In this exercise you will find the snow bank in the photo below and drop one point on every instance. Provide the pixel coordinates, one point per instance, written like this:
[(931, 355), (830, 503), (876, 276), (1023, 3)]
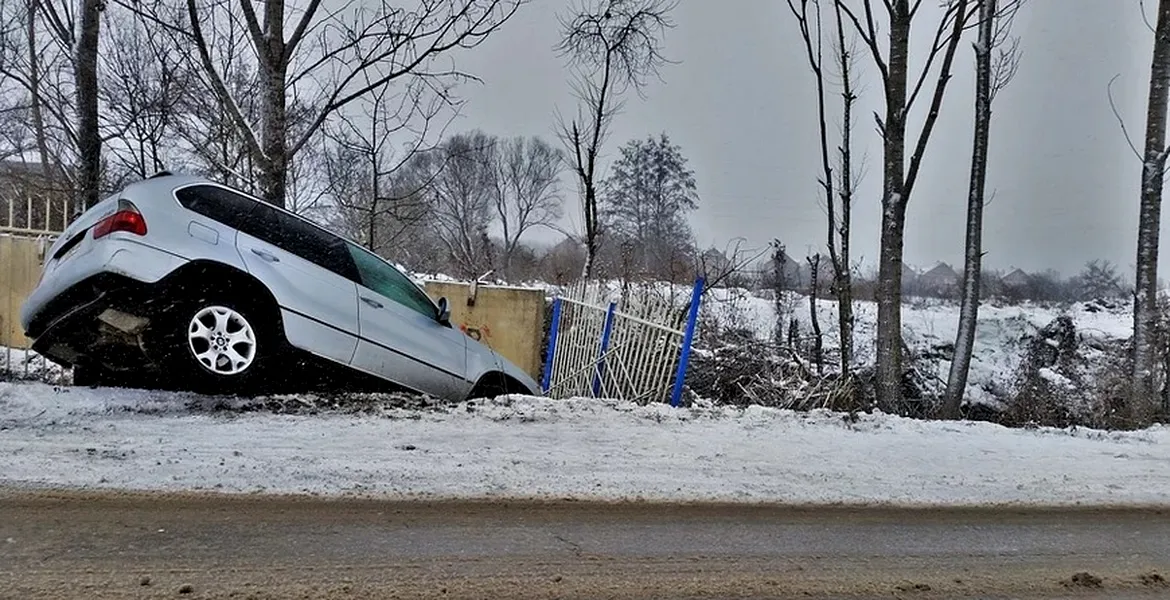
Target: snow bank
[(586, 449)]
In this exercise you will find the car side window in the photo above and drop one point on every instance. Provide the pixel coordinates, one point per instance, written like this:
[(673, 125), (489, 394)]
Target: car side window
[(300, 238), (384, 279), (215, 203)]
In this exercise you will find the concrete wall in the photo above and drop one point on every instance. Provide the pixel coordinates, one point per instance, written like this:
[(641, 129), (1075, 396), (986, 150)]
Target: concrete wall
[(509, 320), (20, 268)]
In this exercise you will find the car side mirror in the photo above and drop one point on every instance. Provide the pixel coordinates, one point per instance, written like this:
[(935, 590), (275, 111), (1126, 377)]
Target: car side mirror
[(444, 315)]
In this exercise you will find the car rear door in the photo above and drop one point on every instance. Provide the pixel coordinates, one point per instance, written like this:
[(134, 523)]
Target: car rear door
[(310, 273), (401, 337)]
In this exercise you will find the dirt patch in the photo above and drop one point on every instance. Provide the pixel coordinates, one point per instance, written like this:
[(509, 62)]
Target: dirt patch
[(1153, 579), (1084, 579)]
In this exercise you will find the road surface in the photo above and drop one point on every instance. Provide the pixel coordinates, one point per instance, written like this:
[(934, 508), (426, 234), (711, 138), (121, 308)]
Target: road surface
[(103, 545)]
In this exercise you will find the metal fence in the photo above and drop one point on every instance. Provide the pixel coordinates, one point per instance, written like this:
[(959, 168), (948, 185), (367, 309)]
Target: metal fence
[(630, 344)]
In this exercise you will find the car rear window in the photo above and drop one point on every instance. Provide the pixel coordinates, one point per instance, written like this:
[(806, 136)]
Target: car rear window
[(215, 203)]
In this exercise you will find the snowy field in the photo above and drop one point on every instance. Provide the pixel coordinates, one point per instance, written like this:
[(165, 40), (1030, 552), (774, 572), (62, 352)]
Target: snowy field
[(583, 449)]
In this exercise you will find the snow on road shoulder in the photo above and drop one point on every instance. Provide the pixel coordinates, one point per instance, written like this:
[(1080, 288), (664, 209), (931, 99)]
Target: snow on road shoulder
[(585, 449)]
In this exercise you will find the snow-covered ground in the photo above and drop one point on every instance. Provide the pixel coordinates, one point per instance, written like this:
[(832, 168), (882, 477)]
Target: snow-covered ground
[(585, 449)]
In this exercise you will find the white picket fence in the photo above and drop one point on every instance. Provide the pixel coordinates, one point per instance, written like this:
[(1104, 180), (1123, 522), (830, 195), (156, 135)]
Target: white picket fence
[(618, 343)]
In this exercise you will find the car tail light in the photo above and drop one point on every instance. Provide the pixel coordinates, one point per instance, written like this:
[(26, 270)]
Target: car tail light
[(127, 218)]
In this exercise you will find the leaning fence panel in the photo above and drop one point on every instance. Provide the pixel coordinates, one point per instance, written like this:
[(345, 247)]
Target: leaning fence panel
[(629, 343)]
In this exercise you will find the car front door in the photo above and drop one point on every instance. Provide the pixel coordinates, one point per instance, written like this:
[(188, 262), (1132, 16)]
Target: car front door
[(310, 273), (401, 337)]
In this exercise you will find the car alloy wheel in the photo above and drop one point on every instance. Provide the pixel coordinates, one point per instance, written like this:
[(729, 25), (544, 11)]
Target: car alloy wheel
[(222, 340)]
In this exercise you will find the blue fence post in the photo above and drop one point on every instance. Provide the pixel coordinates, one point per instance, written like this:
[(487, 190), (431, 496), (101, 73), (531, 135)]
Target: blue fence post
[(688, 337), (606, 330), (551, 352)]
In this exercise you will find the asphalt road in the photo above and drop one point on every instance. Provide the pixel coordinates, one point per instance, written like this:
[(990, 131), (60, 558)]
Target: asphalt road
[(91, 545)]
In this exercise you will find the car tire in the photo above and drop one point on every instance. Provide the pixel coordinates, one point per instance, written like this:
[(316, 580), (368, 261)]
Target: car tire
[(218, 344)]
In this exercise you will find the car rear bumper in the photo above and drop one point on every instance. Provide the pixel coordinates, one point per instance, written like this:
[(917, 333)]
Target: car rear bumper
[(99, 316), (127, 260)]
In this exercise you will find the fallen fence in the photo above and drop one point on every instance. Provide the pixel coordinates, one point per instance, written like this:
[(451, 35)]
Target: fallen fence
[(629, 344)]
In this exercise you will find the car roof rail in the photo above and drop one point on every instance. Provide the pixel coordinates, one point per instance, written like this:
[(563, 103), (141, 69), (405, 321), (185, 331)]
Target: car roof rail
[(163, 173)]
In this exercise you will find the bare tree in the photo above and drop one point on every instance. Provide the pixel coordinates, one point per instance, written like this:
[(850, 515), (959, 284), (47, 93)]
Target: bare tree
[(527, 193), (898, 174), (460, 198), (38, 68), (809, 18), (991, 76), (331, 57), (365, 166), (204, 121), (142, 85), (611, 46), (1143, 393)]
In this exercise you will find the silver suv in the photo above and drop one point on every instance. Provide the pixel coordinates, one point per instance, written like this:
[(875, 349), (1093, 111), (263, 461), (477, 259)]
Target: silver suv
[(211, 289)]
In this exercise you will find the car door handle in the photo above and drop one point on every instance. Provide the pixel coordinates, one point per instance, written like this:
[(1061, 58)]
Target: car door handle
[(268, 256), (372, 302)]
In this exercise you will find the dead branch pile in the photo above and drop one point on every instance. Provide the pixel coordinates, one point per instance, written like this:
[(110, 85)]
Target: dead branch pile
[(736, 369)]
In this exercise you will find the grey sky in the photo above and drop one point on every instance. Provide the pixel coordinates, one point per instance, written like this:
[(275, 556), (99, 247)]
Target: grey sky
[(740, 103)]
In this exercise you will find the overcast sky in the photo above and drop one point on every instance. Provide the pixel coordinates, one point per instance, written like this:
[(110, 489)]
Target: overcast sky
[(740, 103)]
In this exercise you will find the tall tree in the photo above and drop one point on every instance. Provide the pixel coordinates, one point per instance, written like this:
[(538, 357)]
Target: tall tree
[(898, 174), (611, 46), (89, 141), (991, 76), (330, 58), (1143, 393), (645, 203), (838, 188)]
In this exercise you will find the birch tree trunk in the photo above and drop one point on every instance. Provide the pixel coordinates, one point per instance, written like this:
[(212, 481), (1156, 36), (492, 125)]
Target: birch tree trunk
[(973, 265), (1143, 395), (89, 143)]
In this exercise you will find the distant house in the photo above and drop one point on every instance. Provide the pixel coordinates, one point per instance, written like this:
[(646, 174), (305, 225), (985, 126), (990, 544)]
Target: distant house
[(714, 264), (942, 279), (824, 273), (31, 201), (910, 275), (565, 261), (1016, 279)]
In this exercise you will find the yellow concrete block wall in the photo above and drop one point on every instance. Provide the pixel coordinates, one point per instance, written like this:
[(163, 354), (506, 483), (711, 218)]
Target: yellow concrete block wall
[(20, 267), (509, 320)]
